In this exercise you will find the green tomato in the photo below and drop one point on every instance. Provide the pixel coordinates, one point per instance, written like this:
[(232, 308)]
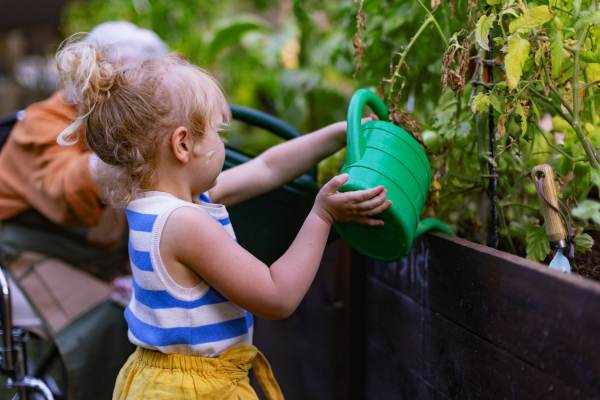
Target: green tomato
[(433, 141)]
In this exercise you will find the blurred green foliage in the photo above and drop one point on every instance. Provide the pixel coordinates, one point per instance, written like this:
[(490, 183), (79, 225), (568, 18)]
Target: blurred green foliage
[(295, 59), (299, 69)]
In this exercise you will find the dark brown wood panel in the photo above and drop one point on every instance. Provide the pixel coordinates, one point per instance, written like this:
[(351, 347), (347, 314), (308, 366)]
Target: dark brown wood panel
[(415, 353), (349, 323), (299, 348), (549, 320)]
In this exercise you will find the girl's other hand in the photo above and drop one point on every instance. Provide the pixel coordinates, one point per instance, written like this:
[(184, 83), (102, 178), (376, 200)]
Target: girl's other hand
[(332, 206), (373, 117)]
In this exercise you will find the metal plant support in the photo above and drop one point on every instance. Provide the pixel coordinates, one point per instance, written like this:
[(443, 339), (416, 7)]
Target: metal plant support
[(493, 176)]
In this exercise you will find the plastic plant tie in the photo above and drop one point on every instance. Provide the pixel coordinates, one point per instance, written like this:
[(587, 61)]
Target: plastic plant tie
[(570, 235)]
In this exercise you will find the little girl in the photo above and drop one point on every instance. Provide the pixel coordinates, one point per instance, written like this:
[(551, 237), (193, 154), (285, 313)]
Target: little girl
[(155, 127)]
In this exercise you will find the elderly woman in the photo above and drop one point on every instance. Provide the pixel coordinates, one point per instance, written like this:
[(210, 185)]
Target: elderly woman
[(53, 219), (52, 189)]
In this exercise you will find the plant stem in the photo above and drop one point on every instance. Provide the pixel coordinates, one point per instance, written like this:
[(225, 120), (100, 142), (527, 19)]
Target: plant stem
[(587, 146), (592, 103), (461, 191), (587, 85), (563, 10), (558, 149), (435, 22), (509, 243), (458, 107), (462, 177), (514, 204), (403, 56), (553, 104), (360, 7), (565, 46), (550, 84)]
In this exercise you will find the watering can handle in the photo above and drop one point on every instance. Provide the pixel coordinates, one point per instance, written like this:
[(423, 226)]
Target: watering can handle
[(361, 98)]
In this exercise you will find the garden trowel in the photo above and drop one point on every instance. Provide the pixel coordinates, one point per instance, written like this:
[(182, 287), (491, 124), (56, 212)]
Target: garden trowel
[(543, 176)]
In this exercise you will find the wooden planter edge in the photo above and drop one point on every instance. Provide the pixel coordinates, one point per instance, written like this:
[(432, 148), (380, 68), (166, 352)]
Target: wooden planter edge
[(469, 320), (573, 279)]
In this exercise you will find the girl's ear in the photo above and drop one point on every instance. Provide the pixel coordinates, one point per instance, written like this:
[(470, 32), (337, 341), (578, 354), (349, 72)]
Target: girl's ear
[(182, 144)]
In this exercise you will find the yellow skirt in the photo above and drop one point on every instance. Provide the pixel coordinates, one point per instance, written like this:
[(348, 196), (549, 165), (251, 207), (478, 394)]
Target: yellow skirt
[(150, 374)]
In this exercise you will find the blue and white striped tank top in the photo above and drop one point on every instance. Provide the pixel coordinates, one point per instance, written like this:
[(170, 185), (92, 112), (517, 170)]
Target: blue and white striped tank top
[(163, 315)]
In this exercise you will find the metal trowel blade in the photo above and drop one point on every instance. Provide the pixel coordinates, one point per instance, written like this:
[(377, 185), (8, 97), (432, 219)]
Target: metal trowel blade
[(560, 262)]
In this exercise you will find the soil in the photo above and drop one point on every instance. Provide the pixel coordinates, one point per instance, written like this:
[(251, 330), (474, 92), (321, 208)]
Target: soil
[(588, 264)]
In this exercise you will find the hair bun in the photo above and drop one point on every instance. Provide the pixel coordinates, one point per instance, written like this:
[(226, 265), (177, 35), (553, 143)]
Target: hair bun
[(86, 76)]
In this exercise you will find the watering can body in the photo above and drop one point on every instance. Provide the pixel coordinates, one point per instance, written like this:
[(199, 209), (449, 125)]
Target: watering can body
[(381, 153)]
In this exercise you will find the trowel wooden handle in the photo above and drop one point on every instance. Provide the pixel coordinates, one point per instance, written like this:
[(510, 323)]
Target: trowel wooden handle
[(554, 227)]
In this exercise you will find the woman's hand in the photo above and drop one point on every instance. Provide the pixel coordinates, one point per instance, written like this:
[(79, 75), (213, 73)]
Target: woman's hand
[(332, 206)]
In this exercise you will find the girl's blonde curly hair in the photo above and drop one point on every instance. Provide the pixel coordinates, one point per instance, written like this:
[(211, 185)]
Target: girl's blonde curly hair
[(127, 110)]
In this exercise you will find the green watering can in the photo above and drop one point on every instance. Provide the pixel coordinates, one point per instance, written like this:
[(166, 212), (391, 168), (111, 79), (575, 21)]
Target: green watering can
[(380, 153)]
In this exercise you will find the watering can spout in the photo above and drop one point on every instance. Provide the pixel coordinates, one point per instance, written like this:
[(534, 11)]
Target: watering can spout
[(432, 224)]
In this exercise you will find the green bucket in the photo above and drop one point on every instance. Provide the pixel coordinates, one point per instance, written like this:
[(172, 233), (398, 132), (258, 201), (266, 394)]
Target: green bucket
[(381, 153)]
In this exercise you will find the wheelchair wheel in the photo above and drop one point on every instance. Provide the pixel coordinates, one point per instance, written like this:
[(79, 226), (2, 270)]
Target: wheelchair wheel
[(44, 362)]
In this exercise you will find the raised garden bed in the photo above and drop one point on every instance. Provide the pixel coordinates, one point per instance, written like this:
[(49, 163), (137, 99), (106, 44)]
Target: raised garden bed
[(453, 320)]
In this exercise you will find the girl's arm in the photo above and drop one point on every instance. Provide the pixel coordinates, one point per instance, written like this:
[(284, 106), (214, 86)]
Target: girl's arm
[(192, 238), (278, 165)]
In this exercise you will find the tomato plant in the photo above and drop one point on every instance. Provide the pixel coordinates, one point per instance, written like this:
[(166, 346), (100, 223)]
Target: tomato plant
[(486, 111), (525, 78)]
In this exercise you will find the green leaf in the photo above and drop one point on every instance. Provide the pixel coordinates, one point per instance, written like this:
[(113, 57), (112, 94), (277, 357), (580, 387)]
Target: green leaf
[(568, 32), (510, 11), (482, 30), (538, 56), (499, 86), (576, 8), (589, 18), (493, 2), (536, 110), (443, 119), (587, 209), (584, 243), (517, 53), (299, 11), (480, 103), (589, 57), (556, 51), (496, 102), (464, 129), (596, 178), (538, 246), (521, 112), (532, 18), (231, 31), (593, 72), (499, 40), (518, 228)]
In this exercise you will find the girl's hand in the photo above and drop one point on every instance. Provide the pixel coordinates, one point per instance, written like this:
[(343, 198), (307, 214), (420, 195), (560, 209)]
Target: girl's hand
[(332, 206)]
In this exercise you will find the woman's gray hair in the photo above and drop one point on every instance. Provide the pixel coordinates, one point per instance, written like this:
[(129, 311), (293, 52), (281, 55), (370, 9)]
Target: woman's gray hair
[(125, 42)]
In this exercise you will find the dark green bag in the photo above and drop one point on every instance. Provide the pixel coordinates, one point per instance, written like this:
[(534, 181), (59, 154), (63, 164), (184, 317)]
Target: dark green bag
[(267, 225)]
